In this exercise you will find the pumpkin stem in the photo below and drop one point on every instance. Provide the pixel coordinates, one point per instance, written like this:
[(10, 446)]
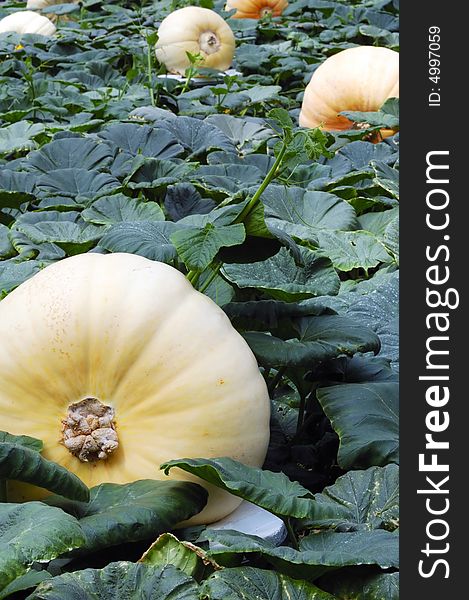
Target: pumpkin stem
[(89, 431), (209, 42), (266, 11)]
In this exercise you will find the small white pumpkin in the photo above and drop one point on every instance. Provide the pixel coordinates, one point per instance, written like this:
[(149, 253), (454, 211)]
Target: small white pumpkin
[(27, 21), (198, 31)]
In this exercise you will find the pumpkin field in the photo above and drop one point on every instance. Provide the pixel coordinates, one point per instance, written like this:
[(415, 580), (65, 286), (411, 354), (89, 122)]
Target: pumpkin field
[(199, 270)]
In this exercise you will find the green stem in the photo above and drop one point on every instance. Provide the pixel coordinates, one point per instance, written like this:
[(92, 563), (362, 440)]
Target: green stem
[(276, 379), (301, 412), (268, 178), (149, 75), (291, 533), (193, 276), (211, 277)]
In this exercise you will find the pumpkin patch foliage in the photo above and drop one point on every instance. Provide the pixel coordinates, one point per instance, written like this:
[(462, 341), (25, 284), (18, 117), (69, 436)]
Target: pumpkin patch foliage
[(199, 271)]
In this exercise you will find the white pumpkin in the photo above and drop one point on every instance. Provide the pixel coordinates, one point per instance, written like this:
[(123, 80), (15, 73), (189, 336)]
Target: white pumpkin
[(40, 4), (152, 367), (27, 21), (198, 31)]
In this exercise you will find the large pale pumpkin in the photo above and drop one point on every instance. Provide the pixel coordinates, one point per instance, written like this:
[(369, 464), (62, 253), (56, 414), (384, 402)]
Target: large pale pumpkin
[(118, 365), (255, 9), (40, 4), (198, 31), (27, 21), (356, 79)]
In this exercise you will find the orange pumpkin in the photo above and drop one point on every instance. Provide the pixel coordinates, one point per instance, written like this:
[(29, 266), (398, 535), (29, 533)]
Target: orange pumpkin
[(256, 9), (356, 79)]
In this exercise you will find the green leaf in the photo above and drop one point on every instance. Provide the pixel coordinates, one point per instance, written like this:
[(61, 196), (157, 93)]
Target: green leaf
[(198, 247), (196, 136), (378, 547), (302, 213), (352, 249), (19, 136), (375, 304), (272, 491), (20, 460), (168, 550), (13, 274), (366, 418), (282, 121), (318, 553), (244, 134), (6, 247), (77, 183), (359, 500), (117, 581), (25, 582), (132, 512), (73, 237), (33, 532), (21, 440), (319, 339), (69, 153), (248, 583), (118, 208), (148, 239), (283, 279), (362, 583), (386, 177), (134, 139)]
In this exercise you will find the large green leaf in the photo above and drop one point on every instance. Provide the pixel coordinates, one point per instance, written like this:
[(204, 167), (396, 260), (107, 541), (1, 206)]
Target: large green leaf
[(6, 247), (148, 239), (228, 179), (20, 460), (375, 304), (33, 532), (301, 213), (366, 418), (377, 547), (318, 553), (134, 511), (25, 582), (248, 583), (168, 550), (16, 188), (283, 279), (198, 247), (196, 136), (359, 500), (319, 339), (364, 583), (13, 274), (352, 249), (272, 491), (245, 134), (133, 139), (119, 208), (76, 183), (68, 153), (19, 137), (119, 581), (73, 237)]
